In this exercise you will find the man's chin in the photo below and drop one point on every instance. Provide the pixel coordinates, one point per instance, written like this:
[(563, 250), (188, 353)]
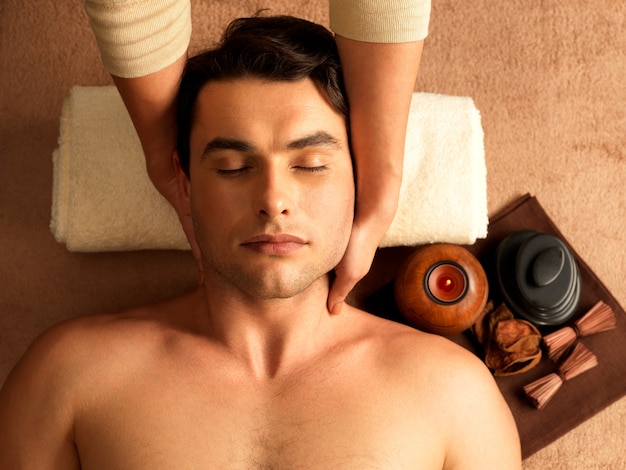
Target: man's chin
[(268, 280), (285, 290), (275, 287)]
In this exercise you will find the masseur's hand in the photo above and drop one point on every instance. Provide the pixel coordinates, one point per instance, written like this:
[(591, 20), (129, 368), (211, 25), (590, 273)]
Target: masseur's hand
[(367, 232), (151, 104), (379, 79), (162, 173)]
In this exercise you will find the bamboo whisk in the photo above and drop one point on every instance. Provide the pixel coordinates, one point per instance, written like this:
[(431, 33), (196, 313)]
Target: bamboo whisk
[(541, 391), (599, 318)]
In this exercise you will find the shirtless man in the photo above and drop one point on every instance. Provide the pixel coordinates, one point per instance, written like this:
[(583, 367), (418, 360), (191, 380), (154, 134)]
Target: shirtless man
[(251, 370)]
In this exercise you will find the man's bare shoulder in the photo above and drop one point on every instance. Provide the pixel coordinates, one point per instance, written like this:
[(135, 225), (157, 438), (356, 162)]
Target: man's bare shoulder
[(417, 357), (413, 347), (67, 367), (80, 351), (78, 344), (431, 372)]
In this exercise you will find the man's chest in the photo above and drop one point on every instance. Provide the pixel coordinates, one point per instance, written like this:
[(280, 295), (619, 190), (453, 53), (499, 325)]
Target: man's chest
[(219, 426)]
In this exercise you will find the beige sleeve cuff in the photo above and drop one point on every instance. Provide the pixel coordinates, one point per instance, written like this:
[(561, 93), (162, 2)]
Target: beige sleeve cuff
[(140, 37), (385, 21)]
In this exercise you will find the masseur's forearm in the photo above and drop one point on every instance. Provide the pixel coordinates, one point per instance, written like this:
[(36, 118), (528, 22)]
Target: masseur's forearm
[(379, 79), (146, 42), (150, 101)]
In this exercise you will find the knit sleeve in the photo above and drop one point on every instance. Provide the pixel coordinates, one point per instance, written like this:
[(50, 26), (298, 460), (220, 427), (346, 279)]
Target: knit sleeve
[(139, 37), (385, 21)]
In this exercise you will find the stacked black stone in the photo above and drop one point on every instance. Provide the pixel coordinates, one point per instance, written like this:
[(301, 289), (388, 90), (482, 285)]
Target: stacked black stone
[(538, 277)]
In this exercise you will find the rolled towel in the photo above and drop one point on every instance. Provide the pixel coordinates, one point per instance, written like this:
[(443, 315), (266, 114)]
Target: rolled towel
[(103, 199)]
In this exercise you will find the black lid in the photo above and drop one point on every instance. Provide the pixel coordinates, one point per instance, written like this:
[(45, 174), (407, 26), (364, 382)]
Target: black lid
[(538, 277)]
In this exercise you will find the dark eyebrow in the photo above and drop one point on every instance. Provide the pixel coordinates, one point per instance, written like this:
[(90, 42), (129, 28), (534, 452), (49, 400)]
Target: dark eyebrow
[(318, 139), (223, 143)]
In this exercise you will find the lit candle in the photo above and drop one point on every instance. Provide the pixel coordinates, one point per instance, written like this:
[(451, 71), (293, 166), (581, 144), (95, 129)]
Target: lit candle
[(446, 282), (441, 288)]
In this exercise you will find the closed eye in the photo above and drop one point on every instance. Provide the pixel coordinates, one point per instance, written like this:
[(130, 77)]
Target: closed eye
[(233, 172), (312, 169)]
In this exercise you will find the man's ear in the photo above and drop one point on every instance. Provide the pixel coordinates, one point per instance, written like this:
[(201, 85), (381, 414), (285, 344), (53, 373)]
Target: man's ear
[(184, 185)]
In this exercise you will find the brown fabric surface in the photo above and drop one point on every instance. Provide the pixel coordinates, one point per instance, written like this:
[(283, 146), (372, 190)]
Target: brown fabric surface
[(546, 76), (586, 395)]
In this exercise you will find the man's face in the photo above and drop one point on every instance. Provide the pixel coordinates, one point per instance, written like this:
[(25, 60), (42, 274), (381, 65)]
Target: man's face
[(272, 187)]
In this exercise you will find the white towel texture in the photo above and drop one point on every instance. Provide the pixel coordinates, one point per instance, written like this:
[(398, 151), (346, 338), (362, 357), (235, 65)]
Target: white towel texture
[(103, 199)]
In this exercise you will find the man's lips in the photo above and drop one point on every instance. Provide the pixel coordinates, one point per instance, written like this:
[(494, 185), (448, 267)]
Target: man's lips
[(274, 244)]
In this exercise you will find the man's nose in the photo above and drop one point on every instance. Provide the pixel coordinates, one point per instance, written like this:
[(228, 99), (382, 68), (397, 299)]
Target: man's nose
[(276, 193)]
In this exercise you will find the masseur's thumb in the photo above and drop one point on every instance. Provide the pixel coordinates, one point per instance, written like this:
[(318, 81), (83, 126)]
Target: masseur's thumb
[(354, 265)]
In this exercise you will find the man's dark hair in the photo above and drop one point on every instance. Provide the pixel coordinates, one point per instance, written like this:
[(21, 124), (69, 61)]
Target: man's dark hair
[(275, 48)]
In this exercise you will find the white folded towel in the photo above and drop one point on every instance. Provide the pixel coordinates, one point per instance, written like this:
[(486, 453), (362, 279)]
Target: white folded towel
[(103, 199)]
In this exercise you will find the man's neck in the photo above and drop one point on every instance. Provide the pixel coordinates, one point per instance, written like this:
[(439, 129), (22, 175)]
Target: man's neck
[(271, 337)]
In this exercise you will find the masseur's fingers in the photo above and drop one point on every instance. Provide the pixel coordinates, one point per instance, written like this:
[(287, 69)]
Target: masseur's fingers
[(185, 220), (170, 190), (354, 265)]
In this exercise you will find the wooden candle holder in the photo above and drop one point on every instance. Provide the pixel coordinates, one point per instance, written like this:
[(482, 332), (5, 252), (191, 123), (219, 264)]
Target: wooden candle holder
[(442, 289)]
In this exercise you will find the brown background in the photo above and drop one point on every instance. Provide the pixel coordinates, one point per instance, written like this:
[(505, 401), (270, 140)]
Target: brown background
[(548, 78)]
